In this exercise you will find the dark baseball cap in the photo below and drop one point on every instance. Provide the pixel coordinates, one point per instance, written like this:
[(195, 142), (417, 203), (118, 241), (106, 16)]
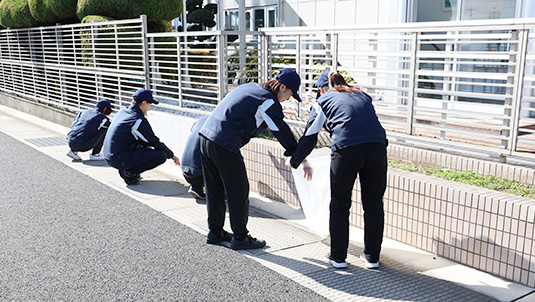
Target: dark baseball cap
[(323, 79), (290, 79), (103, 103), (144, 95)]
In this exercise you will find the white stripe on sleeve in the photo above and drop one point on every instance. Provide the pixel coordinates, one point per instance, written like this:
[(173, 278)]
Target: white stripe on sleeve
[(318, 122), (262, 116), (135, 132), (102, 124)]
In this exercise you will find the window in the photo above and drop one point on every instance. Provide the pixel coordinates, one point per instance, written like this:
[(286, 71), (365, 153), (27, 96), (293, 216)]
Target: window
[(453, 10), (255, 18)]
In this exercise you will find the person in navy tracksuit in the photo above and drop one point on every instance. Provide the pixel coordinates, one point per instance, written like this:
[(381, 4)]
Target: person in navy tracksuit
[(242, 114), (191, 161), (130, 144), (358, 144), (88, 131)]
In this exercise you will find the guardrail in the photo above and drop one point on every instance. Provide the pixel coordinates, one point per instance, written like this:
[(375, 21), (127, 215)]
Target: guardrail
[(468, 86)]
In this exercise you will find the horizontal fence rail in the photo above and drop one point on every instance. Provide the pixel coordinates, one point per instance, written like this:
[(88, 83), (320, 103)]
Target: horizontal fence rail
[(467, 86)]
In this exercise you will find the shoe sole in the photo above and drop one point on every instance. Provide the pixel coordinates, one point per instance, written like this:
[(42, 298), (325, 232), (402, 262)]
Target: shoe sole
[(196, 195), (335, 264), (74, 158), (237, 248)]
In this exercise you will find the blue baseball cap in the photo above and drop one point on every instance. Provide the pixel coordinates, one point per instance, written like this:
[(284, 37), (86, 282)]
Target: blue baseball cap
[(323, 79), (290, 79), (103, 103), (144, 95)]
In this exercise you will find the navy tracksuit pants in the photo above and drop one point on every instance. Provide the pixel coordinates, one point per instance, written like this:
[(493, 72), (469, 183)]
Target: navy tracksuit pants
[(369, 162), (225, 175)]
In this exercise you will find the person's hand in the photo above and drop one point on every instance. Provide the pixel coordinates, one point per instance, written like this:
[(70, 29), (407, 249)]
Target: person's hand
[(307, 169), (176, 160)]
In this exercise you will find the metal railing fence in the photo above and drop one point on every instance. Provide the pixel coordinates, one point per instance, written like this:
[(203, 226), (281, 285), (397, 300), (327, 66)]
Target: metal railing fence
[(460, 85)]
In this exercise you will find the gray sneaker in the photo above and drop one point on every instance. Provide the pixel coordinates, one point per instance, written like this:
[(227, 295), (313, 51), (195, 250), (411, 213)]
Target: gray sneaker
[(74, 155), (96, 157), (247, 243)]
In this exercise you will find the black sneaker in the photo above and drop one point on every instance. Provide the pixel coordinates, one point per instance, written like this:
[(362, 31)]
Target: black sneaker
[(129, 178), (247, 243), (196, 192), (336, 263), (215, 239)]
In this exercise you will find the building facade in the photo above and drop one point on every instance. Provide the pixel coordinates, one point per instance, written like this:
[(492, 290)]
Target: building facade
[(283, 13)]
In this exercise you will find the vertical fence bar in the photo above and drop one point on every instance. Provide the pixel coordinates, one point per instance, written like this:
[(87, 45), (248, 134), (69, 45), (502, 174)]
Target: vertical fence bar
[(263, 56), (47, 85), (32, 59), (59, 47), (335, 52), (412, 83), (179, 71), (509, 91), (221, 65), (145, 50), (298, 68), (519, 87)]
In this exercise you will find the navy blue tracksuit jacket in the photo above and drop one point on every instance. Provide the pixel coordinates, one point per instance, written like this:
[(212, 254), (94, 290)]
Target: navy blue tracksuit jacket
[(88, 129), (350, 119), (128, 131), (243, 114)]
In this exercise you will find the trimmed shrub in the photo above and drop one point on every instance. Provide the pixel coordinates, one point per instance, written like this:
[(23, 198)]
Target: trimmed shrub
[(63, 9), (125, 9), (41, 11), (52, 11), (16, 14)]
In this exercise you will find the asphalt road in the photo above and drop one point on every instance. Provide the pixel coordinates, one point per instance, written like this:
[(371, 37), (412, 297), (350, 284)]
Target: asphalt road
[(67, 237)]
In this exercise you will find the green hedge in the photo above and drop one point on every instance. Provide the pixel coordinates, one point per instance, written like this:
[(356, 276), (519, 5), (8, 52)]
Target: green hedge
[(126, 9), (16, 14), (31, 13)]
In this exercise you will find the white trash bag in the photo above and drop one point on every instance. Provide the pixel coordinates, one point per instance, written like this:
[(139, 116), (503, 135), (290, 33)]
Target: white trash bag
[(315, 195)]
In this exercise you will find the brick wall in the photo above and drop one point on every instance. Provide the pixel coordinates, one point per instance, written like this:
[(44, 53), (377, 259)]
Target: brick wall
[(481, 228)]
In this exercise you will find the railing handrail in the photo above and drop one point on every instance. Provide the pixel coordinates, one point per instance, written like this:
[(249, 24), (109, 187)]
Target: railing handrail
[(518, 23)]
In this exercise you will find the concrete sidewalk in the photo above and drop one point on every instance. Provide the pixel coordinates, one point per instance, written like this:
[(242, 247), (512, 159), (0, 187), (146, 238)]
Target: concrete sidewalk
[(406, 274)]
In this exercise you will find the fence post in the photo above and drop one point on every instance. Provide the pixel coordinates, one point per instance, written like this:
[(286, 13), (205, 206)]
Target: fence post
[(518, 88), (335, 52), (179, 70), (412, 84), (264, 57), (145, 50), (221, 66), (507, 132), (298, 68), (59, 46)]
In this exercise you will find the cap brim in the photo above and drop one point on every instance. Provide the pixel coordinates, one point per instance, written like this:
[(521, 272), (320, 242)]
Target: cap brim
[(155, 102), (297, 97)]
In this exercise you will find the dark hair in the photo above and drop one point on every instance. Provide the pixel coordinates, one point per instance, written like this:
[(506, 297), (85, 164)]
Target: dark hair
[(338, 83), (137, 102), (274, 84)]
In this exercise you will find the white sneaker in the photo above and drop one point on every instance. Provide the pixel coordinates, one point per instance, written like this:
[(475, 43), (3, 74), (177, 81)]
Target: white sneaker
[(368, 264), (335, 263), (74, 155), (96, 157)]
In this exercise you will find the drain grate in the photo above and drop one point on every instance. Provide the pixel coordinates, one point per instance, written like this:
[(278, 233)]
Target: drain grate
[(48, 141)]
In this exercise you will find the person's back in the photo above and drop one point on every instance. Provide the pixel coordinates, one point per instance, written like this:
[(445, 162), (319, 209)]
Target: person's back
[(88, 131), (351, 119), (233, 123), (87, 126)]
